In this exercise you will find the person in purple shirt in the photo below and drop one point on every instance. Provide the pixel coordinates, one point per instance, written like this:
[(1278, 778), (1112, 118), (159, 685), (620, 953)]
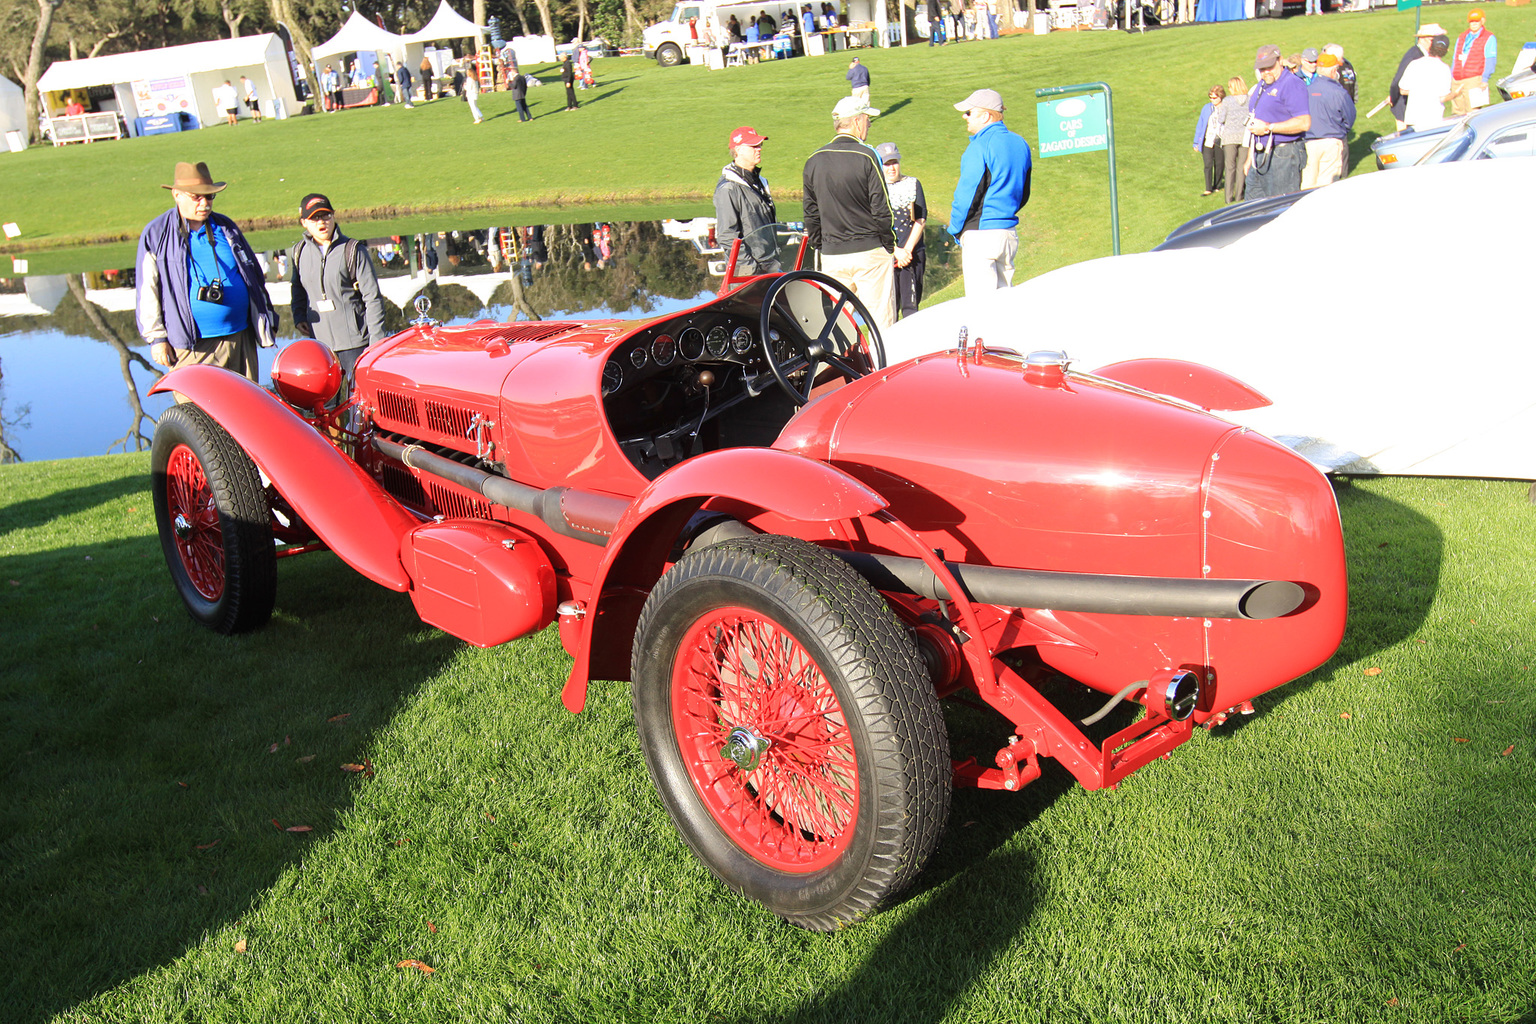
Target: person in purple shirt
[(1281, 118)]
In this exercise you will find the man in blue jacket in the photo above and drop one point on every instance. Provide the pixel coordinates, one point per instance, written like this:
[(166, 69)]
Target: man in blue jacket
[(202, 297), (993, 188)]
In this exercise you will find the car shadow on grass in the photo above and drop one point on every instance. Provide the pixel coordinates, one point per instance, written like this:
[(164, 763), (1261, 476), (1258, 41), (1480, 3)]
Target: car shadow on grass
[(153, 769), (23, 515), (1360, 150)]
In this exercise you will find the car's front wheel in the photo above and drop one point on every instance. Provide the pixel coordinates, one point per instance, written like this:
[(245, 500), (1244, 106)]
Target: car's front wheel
[(790, 728), (215, 528)]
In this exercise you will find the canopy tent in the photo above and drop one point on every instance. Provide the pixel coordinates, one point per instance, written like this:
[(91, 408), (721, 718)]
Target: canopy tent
[(359, 35), (447, 24), (203, 67), (13, 108)]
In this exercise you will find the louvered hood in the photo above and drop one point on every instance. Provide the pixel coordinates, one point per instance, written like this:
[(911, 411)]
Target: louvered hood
[(441, 385)]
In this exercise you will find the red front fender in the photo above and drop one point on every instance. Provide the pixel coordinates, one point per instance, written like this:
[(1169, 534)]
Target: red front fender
[(792, 486), (334, 496), (1194, 383)]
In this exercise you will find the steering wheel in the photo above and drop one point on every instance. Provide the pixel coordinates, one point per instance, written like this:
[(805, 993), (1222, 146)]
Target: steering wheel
[(823, 325)]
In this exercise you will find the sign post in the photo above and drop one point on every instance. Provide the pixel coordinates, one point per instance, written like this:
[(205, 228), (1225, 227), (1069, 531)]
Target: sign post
[(1081, 124)]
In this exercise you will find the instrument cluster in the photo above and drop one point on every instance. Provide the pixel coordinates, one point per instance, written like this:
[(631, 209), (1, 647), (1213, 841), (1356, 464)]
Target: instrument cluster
[(680, 343)]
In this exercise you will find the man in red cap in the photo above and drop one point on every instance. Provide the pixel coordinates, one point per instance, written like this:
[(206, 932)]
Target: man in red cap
[(744, 207), (1472, 64)]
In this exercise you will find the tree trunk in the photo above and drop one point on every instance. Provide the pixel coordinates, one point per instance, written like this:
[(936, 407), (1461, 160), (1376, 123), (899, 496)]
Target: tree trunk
[(282, 14), (632, 24), (231, 19), (35, 68), (478, 14), (543, 6), (581, 20)]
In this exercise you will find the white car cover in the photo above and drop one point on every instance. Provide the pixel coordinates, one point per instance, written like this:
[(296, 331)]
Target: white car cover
[(1385, 316)]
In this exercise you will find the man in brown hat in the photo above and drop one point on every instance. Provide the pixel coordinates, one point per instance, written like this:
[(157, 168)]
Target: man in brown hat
[(202, 297)]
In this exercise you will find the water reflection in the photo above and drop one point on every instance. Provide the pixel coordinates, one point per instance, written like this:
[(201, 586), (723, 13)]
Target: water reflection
[(62, 395)]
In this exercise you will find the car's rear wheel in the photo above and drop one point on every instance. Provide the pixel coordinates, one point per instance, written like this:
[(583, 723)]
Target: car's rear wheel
[(215, 528), (669, 55), (790, 728)]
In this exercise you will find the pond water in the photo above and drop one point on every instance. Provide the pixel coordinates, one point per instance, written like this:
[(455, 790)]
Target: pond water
[(74, 372)]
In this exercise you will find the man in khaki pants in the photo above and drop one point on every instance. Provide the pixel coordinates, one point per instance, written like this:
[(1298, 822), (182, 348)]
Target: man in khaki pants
[(848, 213)]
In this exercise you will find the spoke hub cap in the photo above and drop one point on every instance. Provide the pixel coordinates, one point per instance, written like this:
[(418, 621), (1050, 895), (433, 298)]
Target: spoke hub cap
[(182, 526), (745, 747)]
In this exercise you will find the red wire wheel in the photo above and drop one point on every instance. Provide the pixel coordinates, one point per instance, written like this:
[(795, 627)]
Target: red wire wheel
[(215, 526), (790, 728), (764, 740)]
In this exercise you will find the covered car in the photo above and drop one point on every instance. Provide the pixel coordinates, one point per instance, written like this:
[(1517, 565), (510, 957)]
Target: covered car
[(1356, 391)]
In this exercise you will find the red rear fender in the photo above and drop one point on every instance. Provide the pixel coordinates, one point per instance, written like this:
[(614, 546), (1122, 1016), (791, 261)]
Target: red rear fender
[(792, 486), (1191, 382), (343, 505)]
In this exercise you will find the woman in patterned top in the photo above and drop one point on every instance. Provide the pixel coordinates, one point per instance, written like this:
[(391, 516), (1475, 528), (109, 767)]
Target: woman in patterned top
[(909, 214)]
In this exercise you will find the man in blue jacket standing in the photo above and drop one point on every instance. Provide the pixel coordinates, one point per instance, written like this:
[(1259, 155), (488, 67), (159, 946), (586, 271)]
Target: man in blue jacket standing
[(993, 188), (202, 297)]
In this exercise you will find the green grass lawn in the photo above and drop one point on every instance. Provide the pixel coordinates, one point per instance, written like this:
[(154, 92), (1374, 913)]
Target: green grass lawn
[(657, 135), (1359, 850)]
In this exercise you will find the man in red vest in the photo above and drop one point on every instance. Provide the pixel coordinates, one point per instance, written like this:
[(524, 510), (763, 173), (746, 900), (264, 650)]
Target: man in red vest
[(1472, 62)]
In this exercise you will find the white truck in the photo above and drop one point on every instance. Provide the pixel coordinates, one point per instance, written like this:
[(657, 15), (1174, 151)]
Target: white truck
[(669, 41)]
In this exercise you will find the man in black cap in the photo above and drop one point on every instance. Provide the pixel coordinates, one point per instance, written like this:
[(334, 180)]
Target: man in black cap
[(336, 297)]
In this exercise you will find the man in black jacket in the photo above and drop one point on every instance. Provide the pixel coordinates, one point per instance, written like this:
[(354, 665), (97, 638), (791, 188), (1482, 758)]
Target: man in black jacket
[(848, 213), (335, 291)]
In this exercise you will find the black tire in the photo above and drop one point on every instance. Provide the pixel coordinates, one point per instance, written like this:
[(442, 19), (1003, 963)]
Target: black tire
[(765, 812), (215, 527), (669, 55)]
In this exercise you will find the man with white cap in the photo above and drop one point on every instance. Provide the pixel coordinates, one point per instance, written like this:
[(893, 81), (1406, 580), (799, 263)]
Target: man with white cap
[(848, 213), (995, 173), (1427, 34)]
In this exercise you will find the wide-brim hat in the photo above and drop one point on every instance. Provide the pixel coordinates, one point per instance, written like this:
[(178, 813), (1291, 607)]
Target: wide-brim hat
[(195, 178), (1430, 29)]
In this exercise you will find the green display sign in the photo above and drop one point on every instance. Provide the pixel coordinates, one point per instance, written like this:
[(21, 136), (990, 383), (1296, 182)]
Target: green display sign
[(1076, 124)]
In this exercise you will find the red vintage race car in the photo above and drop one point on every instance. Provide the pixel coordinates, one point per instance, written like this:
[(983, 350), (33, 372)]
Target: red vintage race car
[(791, 551)]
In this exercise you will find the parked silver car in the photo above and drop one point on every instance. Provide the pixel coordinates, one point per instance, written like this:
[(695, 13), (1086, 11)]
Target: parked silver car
[(1502, 130)]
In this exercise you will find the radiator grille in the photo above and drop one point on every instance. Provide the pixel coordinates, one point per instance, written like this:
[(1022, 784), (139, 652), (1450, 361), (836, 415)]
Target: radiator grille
[(535, 331), (397, 407), (448, 419), (397, 480), (453, 505)]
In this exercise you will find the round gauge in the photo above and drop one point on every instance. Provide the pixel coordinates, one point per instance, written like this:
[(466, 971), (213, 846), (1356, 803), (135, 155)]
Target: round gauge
[(741, 340), (719, 342), (613, 378), (637, 356), (663, 350), (691, 344)]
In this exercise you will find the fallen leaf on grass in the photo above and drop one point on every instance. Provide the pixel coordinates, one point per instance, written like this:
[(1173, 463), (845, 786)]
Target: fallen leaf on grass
[(287, 741), (1459, 948), (132, 510), (276, 825), (240, 946), (305, 759), (351, 767), (1509, 750), (1461, 739), (337, 718), (272, 749), (298, 828), (1382, 544), (488, 814), (1373, 671), (202, 890), (1392, 1001), (183, 785), (423, 968), (15, 583), (431, 927), (1344, 715), (208, 846)]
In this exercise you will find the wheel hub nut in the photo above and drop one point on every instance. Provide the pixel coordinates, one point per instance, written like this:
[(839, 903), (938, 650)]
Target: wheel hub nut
[(745, 747), (182, 527)]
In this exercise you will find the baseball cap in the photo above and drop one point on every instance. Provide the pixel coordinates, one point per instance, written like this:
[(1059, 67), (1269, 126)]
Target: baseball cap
[(745, 136), (888, 153), (1475, 14), (1430, 29), (1328, 60), (1267, 57), (1309, 55), (1335, 49), (852, 106), (982, 99), (314, 203)]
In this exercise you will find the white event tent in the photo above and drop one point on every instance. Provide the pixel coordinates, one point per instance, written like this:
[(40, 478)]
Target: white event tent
[(203, 67), (359, 35), (13, 108)]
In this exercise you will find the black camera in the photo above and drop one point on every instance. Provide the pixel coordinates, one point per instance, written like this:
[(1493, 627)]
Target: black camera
[(212, 292)]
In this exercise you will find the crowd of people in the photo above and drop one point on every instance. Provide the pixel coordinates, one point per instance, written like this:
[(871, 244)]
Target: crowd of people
[(1291, 130), (1288, 132), (867, 218)]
